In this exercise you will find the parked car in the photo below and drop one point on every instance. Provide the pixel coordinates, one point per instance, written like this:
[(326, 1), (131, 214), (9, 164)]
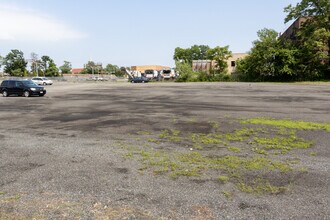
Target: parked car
[(99, 78), (42, 81), (21, 87), (141, 79)]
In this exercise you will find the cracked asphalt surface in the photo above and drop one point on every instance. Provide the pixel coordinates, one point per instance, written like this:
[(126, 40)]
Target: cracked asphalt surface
[(59, 153)]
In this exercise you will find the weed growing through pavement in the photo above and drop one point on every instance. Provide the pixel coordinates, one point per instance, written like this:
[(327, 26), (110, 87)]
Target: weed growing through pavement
[(261, 186), (172, 135), (234, 149), (223, 179), (313, 154), (214, 125), (246, 151), (287, 123), (227, 194)]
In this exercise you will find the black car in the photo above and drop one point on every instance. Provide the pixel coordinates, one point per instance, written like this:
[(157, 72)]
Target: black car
[(141, 79), (21, 87)]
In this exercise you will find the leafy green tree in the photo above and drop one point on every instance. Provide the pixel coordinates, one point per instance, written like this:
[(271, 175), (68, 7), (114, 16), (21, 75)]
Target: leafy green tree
[(112, 69), (52, 70), (270, 59), (15, 63), (92, 68), (220, 55), (186, 74), (48, 66), (318, 10), (89, 68), (304, 57), (66, 67), (313, 39), (115, 70), (195, 52), (181, 55), (199, 52)]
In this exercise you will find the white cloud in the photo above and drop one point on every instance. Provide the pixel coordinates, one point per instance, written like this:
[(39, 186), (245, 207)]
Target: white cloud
[(21, 24)]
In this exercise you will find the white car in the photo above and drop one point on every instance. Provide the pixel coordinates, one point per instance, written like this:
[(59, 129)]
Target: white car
[(42, 81)]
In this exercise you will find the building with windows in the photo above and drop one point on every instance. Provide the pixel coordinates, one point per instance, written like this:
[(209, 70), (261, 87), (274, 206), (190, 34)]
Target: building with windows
[(203, 65), (142, 69), (207, 65), (232, 61)]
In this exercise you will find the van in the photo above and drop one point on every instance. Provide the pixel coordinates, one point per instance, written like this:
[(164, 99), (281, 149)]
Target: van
[(24, 88)]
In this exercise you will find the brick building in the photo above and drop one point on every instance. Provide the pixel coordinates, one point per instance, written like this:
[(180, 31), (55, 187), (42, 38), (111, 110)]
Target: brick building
[(291, 32)]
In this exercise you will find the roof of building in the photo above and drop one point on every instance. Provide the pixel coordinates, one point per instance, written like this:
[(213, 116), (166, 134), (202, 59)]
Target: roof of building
[(77, 70)]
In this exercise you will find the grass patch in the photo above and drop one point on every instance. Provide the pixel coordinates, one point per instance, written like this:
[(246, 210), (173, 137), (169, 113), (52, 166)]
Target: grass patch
[(202, 154), (170, 135), (261, 186), (144, 133), (151, 140), (221, 139), (196, 164), (313, 154), (283, 144), (259, 151), (223, 179), (287, 123), (227, 194), (234, 149), (214, 125)]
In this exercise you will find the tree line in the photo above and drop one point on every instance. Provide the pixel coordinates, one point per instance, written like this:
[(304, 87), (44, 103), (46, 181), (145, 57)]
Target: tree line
[(273, 57), (16, 65), (96, 68)]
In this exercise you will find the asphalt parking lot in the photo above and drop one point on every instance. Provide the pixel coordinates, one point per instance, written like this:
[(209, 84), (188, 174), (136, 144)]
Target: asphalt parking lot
[(87, 151)]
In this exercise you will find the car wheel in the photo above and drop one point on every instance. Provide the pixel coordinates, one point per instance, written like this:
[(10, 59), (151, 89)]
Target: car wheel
[(132, 81), (44, 83), (142, 81), (4, 93), (26, 94)]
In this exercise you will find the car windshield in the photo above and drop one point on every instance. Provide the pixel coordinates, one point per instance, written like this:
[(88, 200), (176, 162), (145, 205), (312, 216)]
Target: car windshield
[(44, 78), (29, 83)]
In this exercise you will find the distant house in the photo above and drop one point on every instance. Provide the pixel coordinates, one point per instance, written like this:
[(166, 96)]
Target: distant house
[(77, 70), (207, 65)]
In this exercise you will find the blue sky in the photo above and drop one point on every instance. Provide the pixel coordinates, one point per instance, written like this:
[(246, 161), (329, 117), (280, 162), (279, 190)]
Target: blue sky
[(132, 32)]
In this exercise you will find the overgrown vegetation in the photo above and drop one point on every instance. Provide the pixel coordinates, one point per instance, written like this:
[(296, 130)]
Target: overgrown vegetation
[(184, 58), (302, 56), (246, 157)]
